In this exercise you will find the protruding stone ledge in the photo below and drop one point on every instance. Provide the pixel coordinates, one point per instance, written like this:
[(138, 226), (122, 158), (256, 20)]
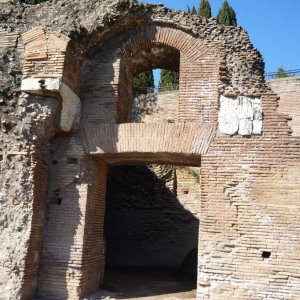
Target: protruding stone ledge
[(142, 139), (71, 107), (242, 115)]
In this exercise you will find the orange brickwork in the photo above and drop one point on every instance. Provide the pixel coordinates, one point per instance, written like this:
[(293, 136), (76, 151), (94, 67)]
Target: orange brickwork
[(288, 89)]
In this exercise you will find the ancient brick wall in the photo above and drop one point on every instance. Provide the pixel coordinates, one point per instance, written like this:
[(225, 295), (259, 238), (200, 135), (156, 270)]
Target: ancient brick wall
[(24, 174), (252, 243), (155, 108), (249, 211), (288, 89), (248, 234), (94, 244), (73, 231)]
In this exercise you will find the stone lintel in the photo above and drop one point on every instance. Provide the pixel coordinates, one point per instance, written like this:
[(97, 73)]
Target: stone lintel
[(70, 112)]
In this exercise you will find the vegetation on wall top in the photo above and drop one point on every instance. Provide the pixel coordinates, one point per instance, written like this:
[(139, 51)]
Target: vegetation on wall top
[(226, 14)]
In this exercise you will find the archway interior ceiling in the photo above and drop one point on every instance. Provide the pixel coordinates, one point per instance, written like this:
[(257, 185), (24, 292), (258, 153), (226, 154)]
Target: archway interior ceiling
[(151, 56), (147, 38)]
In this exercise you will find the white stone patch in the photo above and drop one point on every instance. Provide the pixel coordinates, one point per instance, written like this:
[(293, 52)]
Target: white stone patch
[(241, 115), (228, 116), (41, 84), (71, 108), (2, 197), (257, 122), (70, 112)]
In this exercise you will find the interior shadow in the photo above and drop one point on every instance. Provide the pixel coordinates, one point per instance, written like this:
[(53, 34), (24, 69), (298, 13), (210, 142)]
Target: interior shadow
[(151, 238)]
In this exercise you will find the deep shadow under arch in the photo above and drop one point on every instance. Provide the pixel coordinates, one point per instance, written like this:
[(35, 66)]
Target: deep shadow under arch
[(150, 236)]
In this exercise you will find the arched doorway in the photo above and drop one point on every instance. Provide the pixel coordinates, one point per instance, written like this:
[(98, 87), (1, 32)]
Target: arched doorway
[(73, 257), (151, 231)]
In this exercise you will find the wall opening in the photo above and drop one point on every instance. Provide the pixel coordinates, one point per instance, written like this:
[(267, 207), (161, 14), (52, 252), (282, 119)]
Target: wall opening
[(142, 60), (155, 97), (266, 254), (151, 231)]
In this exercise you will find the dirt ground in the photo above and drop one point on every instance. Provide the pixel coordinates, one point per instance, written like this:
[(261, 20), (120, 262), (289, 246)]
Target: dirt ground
[(144, 285)]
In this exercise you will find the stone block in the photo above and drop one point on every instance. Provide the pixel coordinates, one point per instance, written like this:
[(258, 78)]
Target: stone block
[(241, 115), (71, 107), (228, 116)]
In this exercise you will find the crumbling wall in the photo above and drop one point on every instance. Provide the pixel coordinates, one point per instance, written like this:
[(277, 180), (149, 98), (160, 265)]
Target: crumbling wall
[(249, 240), (288, 89), (241, 58), (24, 160), (27, 123)]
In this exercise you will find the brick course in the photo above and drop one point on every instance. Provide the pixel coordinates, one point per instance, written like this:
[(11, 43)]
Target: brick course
[(288, 89)]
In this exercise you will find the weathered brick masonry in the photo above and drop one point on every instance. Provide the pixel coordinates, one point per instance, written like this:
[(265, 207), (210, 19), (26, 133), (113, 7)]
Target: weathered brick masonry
[(66, 73), (288, 89)]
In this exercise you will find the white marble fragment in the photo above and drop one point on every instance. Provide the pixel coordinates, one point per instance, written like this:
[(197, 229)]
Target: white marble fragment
[(241, 115), (245, 126), (70, 112), (257, 127), (245, 115), (245, 108), (228, 116), (257, 109)]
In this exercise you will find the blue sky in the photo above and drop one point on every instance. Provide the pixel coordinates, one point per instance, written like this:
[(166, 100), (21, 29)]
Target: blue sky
[(273, 27)]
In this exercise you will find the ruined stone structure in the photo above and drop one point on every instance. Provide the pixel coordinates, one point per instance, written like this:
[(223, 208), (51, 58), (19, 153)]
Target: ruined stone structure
[(66, 71), (288, 90)]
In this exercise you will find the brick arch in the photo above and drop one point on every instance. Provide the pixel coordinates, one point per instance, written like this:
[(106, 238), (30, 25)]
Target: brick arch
[(140, 58), (144, 56), (55, 60), (190, 46), (199, 69)]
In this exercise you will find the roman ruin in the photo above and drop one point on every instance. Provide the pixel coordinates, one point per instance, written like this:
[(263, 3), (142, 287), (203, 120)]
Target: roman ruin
[(204, 181)]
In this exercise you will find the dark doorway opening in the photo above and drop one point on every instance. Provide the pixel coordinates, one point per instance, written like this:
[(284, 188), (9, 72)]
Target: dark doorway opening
[(151, 231)]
